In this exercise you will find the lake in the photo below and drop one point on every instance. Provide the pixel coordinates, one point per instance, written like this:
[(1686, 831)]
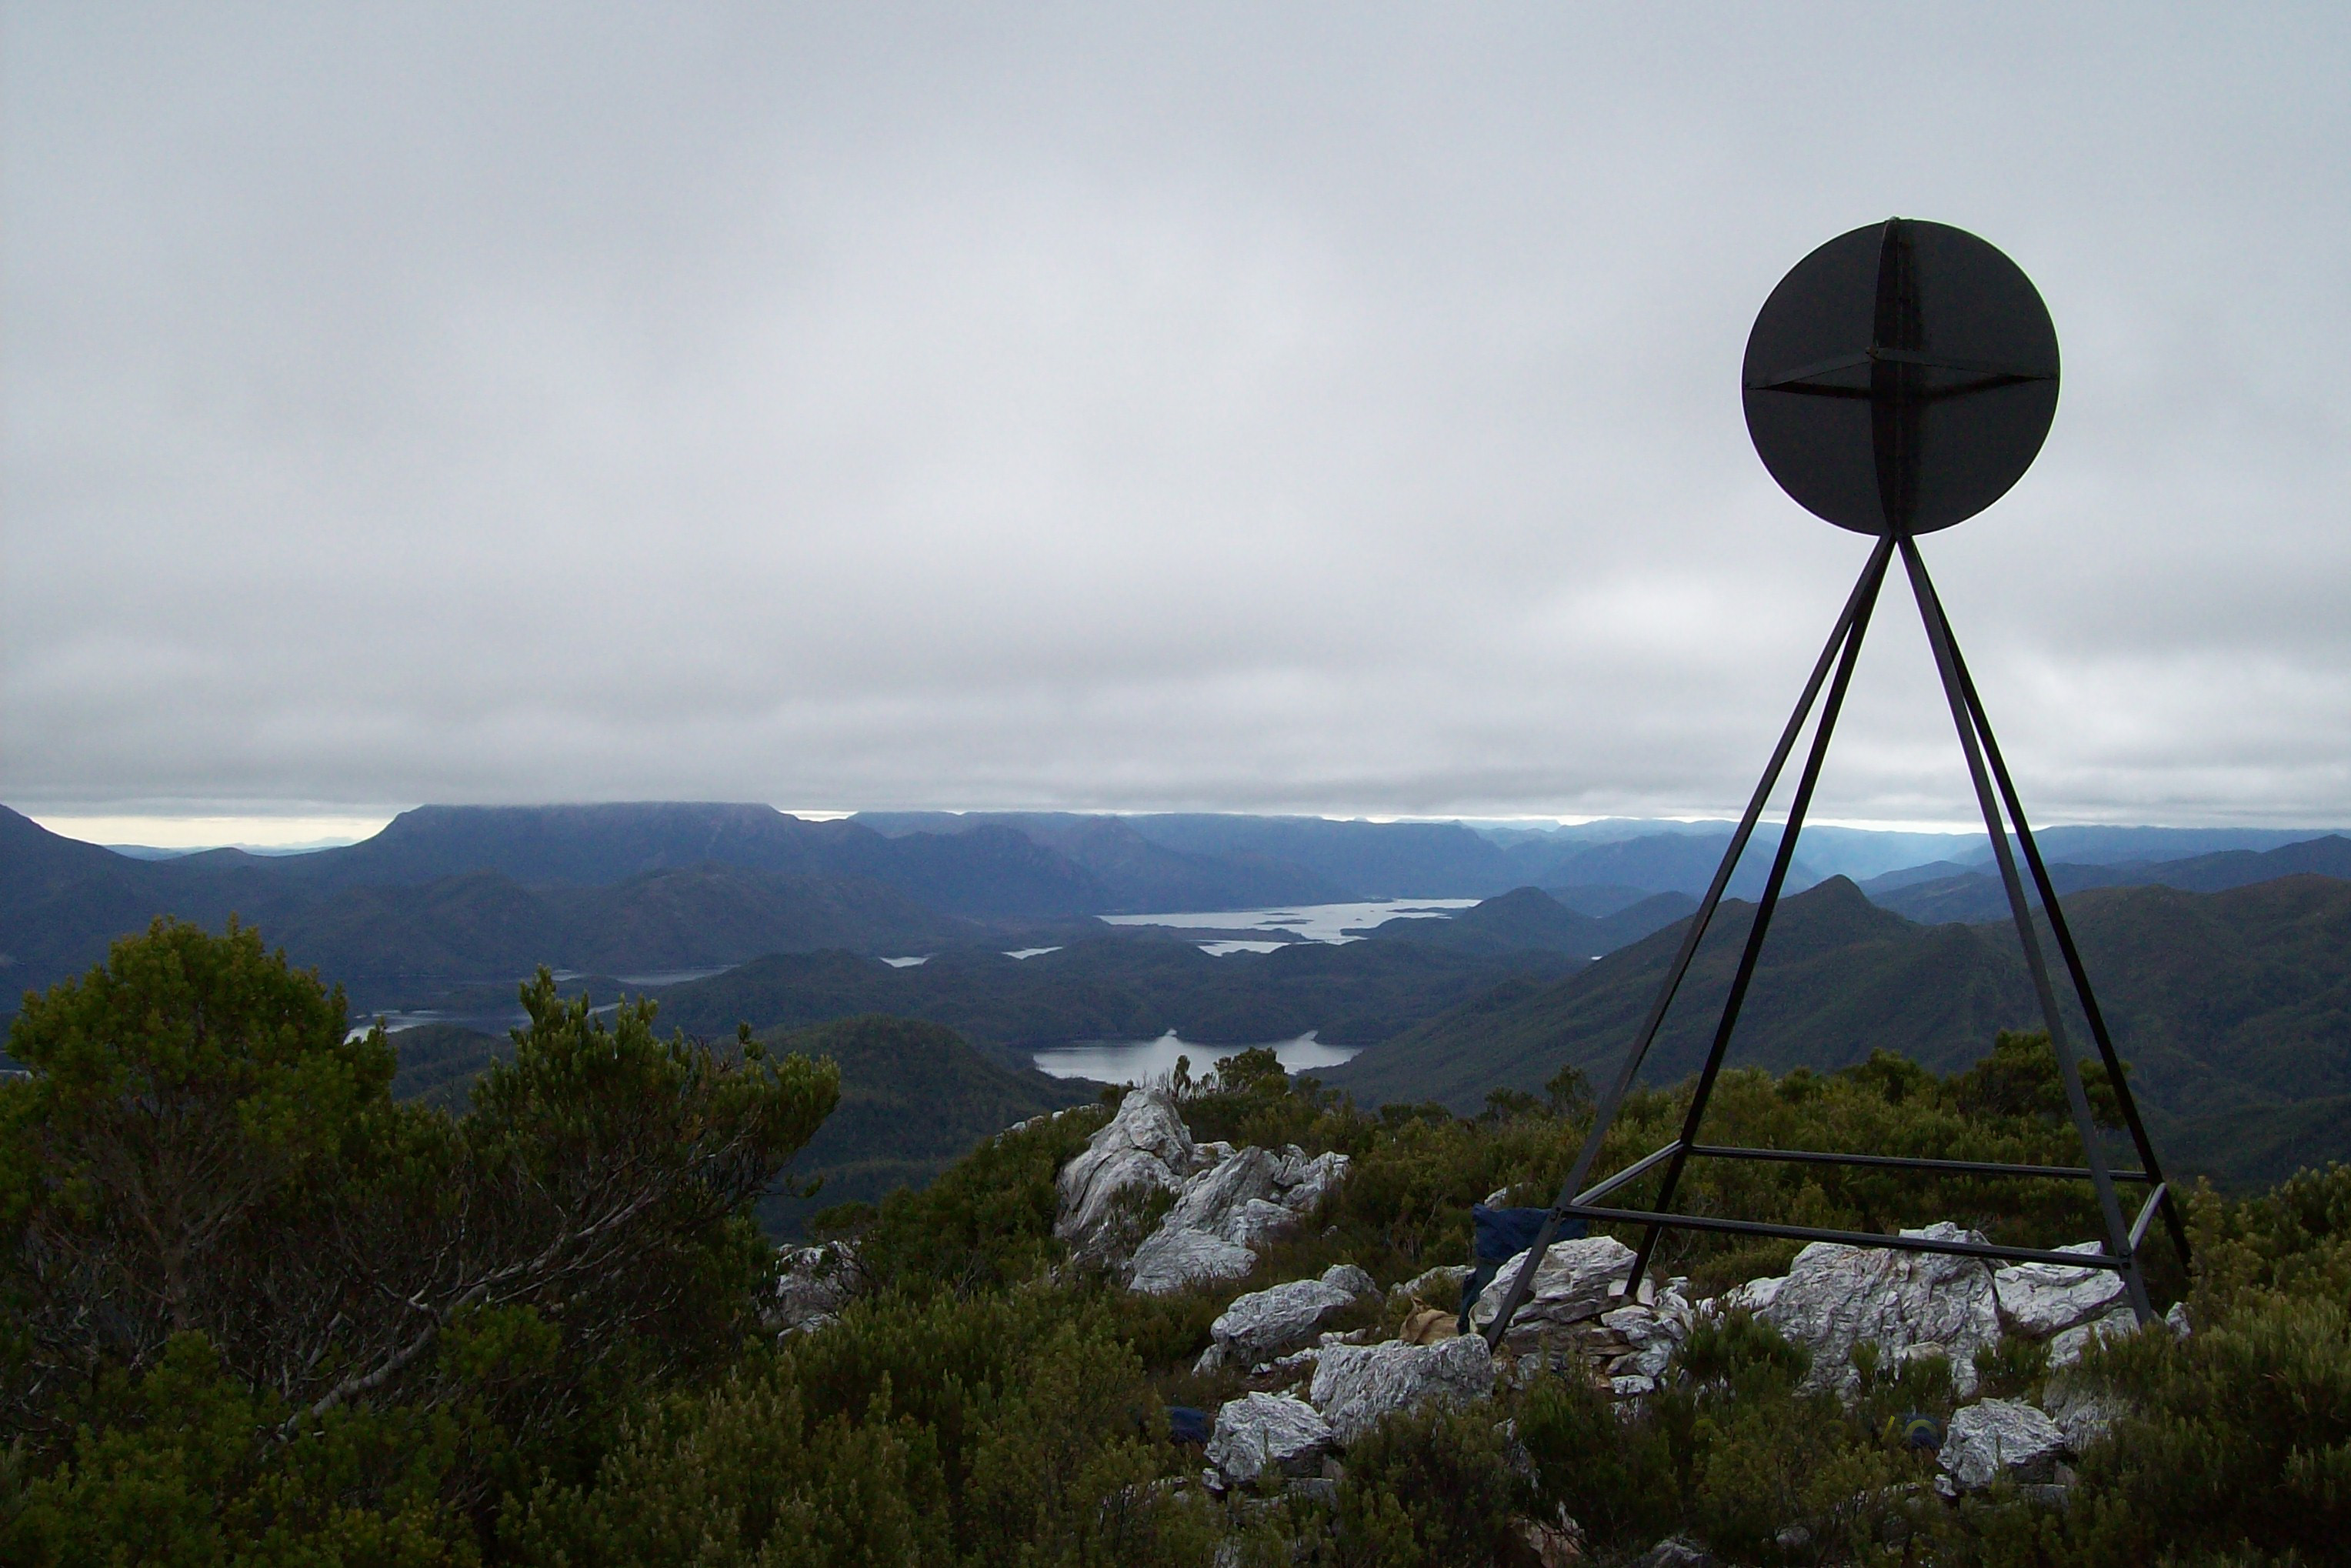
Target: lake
[(1315, 922), (1140, 1061)]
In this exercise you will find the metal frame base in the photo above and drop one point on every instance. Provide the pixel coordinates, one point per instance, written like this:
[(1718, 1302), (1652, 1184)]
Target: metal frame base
[(1996, 795)]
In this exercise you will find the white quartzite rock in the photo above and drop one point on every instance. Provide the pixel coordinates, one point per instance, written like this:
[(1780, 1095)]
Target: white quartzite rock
[(1354, 1386), (1229, 1210), (813, 1284), (1228, 1202), (1264, 1324), (1571, 1284), (1206, 1236), (1169, 1260), (2066, 1348), (1305, 1183), (1653, 1332), (2082, 1413), (1908, 1304), (2000, 1437), (1262, 1432), (1146, 1148), (2038, 1300)]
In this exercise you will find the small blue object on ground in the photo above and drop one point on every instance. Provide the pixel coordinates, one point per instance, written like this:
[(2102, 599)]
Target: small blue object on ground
[(1921, 1432)]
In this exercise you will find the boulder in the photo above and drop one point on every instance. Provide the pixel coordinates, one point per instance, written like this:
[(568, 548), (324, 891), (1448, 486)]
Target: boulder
[(1996, 1438), (1355, 1386), (1262, 1432), (1171, 1260), (2082, 1413), (1675, 1552), (1652, 1333), (813, 1284), (1145, 1149), (1908, 1304), (1572, 1284), (1266, 1324), (1212, 1200), (1305, 1183), (2066, 1348), (2039, 1300), (1236, 1202)]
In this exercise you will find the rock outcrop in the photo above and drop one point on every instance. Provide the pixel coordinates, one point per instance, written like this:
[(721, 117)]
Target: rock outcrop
[(1266, 1324), (1355, 1384), (1144, 1150), (813, 1284), (1227, 1213), (2066, 1348), (1997, 1438), (1572, 1283), (1262, 1432), (2040, 1300), (1229, 1203), (1576, 1310), (1908, 1304)]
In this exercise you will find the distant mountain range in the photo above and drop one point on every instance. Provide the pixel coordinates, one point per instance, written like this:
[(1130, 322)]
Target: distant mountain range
[(2222, 952), (446, 893), (1945, 891)]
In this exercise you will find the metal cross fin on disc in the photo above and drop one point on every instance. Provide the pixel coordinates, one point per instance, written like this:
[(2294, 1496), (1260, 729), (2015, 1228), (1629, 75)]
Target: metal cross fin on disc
[(1901, 377)]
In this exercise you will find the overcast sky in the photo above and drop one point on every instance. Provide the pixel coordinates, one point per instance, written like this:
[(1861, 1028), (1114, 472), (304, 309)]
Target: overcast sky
[(1316, 409)]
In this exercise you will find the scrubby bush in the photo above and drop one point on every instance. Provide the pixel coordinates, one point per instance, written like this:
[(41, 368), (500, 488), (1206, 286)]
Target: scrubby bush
[(233, 1270), (998, 1428)]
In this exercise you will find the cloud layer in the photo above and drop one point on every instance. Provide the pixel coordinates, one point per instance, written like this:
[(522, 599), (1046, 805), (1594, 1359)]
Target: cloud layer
[(1197, 407)]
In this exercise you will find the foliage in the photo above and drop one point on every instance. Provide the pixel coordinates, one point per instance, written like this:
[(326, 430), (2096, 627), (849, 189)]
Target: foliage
[(915, 1099), (257, 1312), (204, 1170), (1434, 1485), (987, 1222), (998, 1428)]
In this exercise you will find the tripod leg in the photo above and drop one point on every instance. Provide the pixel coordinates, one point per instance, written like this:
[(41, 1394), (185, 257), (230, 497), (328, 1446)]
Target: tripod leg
[(1750, 954), (2080, 974), (1938, 636), (1864, 591)]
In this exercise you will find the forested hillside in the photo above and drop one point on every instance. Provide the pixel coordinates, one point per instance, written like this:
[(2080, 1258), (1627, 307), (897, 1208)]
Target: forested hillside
[(1115, 990), (2233, 1008)]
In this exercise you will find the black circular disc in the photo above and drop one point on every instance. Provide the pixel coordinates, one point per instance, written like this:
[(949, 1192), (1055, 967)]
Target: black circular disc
[(1901, 377)]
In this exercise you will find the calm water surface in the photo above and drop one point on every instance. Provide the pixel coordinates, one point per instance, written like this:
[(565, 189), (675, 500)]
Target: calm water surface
[(1315, 922), (1137, 1060)]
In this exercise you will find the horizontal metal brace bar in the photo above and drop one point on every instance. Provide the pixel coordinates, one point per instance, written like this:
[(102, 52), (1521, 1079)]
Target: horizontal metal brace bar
[(1790, 378), (1846, 1237), (1630, 1173), (1903, 1163), (2147, 1214)]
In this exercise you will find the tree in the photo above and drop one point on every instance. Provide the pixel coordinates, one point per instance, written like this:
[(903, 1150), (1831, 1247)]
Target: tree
[(204, 1148)]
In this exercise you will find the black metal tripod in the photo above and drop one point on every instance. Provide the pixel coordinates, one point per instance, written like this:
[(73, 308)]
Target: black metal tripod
[(1994, 790)]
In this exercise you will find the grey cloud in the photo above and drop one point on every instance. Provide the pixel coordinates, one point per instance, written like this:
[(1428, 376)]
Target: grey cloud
[(1192, 407)]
